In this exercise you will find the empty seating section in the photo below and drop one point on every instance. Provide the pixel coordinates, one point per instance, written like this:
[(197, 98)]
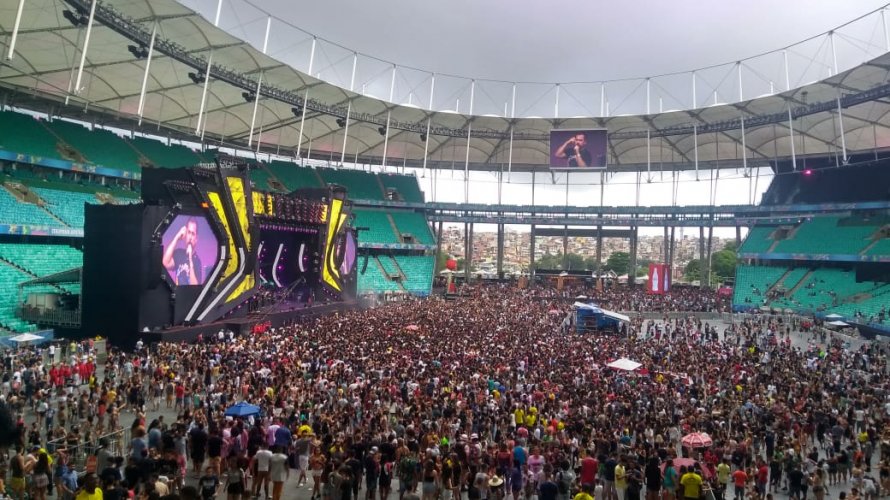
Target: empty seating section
[(825, 288), (293, 176), (415, 224), (758, 240), (10, 278), (827, 235), (42, 260), (260, 178), (66, 205), (13, 211), (374, 280), (406, 185), (389, 265), (22, 133), (882, 247), (98, 146), (418, 271), (162, 156), (752, 283), (360, 185), (379, 228), (793, 277)]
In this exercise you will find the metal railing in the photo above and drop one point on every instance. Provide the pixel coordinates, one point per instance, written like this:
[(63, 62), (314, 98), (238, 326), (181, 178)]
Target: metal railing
[(78, 454)]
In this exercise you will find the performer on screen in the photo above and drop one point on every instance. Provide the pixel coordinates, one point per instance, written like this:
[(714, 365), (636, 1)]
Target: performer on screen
[(575, 150), (184, 263)]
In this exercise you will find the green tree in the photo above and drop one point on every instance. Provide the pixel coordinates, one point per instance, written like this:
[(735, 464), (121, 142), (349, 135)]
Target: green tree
[(692, 272), (574, 262), (723, 263), (618, 262), (731, 245)]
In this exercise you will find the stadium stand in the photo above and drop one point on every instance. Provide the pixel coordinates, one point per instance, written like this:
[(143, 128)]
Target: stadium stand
[(379, 228), (25, 134), (66, 205), (414, 224), (158, 154), (293, 176), (418, 270), (41, 260), (752, 283), (758, 240), (10, 277), (12, 211), (881, 247), (374, 279), (405, 187), (847, 236), (97, 146), (360, 185)]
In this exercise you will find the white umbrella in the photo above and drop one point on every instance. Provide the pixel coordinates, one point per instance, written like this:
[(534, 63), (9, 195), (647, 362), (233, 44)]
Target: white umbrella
[(838, 323), (25, 338)]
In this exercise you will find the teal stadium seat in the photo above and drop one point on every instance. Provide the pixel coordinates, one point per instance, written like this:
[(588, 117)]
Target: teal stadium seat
[(293, 176), (25, 134), (98, 146), (758, 240), (828, 235), (418, 271), (66, 205), (360, 185), (405, 185), (379, 228), (160, 155), (13, 211), (413, 223)]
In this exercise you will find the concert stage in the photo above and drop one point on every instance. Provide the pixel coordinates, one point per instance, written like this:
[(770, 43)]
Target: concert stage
[(249, 324)]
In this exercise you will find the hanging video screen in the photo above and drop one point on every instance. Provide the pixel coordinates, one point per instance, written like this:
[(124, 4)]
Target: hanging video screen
[(346, 248), (578, 149), (190, 250)]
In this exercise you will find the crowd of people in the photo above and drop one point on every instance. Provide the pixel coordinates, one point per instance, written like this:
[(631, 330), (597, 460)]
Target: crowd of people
[(480, 397)]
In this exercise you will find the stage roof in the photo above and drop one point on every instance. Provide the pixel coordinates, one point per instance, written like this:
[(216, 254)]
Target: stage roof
[(47, 56)]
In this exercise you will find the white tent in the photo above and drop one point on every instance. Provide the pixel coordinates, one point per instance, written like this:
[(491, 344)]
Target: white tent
[(624, 364), (25, 338), (615, 315), (838, 323), (833, 317)]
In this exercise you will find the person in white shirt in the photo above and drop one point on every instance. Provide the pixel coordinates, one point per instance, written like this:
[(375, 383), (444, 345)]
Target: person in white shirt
[(261, 461)]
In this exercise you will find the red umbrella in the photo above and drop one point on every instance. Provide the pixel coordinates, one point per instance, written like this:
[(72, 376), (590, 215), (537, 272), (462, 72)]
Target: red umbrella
[(697, 440), (688, 462)]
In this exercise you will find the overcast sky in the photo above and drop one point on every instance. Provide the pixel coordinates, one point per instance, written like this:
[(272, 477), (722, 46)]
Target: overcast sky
[(562, 40)]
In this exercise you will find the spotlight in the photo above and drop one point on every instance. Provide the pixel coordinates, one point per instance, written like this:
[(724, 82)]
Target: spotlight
[(381, 130), (139, 52), (341, 122), (297, 111), (248, 96), (76, 19), (422, 137), (197, 78), (808, 172)]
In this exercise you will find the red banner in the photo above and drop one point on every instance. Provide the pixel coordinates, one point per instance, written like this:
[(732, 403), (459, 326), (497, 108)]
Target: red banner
[(659, 279)]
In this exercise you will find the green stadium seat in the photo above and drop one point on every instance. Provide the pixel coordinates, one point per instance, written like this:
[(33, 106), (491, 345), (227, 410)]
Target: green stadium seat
[(418, 271), (379, 227), (360, 185), (828, 235), (160, 155), (415, 224), (406, 186), (98, 146), (758, 240), (293, 176), (21, 133), (13, 211), (66, 205)]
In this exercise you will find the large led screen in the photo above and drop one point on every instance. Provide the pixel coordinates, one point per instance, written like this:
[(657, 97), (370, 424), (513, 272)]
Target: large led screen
[(190, 250), (581, 149)]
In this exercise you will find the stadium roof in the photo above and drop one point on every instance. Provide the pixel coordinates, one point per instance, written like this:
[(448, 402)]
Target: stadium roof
[(48, 52)]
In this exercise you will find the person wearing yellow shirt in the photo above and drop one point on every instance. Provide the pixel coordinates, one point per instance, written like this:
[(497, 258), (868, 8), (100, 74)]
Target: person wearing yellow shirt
[(90, 490), (723, 471), (691, 482), (519, 413), (585, 493), (621, 479)]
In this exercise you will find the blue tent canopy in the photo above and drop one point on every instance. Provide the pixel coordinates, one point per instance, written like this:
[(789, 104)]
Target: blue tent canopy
[(242, 409)]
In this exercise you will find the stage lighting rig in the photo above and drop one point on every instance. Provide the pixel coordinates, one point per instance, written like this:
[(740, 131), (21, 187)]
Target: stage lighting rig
[(249, 96), (422, 137), (197, 78), (297, 111), (381, 130), (138, 51), (76, 19), (341, 122)]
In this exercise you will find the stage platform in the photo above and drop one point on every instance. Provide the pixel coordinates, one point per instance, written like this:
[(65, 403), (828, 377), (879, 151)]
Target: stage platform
[(285, 315)]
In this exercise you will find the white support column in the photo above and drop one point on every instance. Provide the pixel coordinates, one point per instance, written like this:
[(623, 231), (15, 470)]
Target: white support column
[(787, 71), (886, 33), (694, 96), (513, 105), (695, 147), (203, 104), (86, 45), (833, 53), (266, 38), (312, 55), (392, 89), (15, 29), (791, 137), (741, 93), (648, 155), (469, 138), (349, 110), (648, 99), (556, 106), (510, 156), (602, 99), (306, 99), (151, 50), (840, 120), (256, 105), (218, 13), (429, 121), (744, 148)]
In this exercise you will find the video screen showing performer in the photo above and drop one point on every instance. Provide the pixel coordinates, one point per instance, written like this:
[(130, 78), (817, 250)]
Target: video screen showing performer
[(578, 148), (190, 250)]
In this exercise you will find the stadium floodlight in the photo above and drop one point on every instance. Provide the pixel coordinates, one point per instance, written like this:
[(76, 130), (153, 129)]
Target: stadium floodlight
[(297, 110), (76, 19), (341, 122), (422, 137), (248, 96), (381, 130), (197, 78)]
